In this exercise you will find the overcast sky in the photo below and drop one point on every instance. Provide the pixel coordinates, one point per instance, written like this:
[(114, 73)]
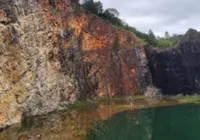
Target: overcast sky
[(174, 16)]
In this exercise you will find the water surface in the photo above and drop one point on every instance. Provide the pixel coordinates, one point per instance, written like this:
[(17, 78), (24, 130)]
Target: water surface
[(181, 122), (76, 124)]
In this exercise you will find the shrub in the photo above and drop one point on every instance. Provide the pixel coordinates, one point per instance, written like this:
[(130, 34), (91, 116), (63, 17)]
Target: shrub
[(153, 93)]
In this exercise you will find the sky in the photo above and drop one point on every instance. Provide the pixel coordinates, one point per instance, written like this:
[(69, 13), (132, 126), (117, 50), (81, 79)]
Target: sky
[(174, 16)]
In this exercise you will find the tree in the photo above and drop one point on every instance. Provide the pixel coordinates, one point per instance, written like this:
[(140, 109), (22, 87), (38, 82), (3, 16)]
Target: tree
[(113, 12), (163, 43), (152, 38), (151, 34), (94, 7), (99, 7), (111, 16), (167, 35)]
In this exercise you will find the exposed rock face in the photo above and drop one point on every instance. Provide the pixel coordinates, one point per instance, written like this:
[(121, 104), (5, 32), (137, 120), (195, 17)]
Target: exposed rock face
[(177, 70), (54, 52)]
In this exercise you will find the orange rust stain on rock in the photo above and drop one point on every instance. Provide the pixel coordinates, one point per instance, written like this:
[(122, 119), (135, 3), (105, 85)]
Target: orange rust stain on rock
[(90, 42), (95, 35), (96, 32), (130, 85), (101, 93), (91, 57), (77, 23), (98, 28), (133, 70), (66, 44), (2, 118), (61, 5)]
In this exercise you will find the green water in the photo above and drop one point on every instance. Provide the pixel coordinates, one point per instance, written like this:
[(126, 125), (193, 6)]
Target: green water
[(164, 123)]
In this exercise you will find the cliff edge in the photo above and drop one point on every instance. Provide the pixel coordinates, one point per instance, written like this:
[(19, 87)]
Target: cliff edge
[(53, 52)]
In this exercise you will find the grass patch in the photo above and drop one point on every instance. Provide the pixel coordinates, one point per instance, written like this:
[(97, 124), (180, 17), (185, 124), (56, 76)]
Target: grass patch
[(81, 104), (107, 99), (195, 99), (124, 106), (82, 133), (183, 99)]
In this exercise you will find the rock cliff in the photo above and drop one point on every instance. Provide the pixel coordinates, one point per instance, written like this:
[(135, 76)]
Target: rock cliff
[(176, 70), (52, 52)]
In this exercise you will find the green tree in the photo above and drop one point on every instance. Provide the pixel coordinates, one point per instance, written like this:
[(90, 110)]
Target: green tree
[(167, 35), (99, 7), (94, 7), (151, 34), (163, 43), (113, 12), (152, 38), (111, 16)]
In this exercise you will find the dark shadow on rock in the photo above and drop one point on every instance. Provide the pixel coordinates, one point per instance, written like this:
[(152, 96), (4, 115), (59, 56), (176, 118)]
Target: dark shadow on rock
[(177, 70)]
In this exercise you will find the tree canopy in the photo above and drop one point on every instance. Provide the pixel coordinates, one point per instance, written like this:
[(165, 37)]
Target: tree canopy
[(113, 12), (94, 7)]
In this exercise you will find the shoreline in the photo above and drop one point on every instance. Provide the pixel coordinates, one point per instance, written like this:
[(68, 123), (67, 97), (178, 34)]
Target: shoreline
[(82, 114)]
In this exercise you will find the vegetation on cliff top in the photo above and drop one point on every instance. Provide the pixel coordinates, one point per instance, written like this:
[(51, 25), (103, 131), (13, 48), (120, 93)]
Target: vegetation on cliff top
[(112, 15)]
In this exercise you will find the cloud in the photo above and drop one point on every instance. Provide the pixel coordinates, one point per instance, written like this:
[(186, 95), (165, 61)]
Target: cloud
[(174, 16)]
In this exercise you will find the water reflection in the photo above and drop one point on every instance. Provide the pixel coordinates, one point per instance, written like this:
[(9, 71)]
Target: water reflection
[(167, 123), (75, 124)]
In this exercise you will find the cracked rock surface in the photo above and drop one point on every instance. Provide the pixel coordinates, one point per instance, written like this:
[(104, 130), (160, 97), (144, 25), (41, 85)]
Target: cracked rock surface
[(54, 52)]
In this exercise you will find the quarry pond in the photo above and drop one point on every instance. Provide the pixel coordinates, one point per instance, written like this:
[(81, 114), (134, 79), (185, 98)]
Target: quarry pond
[(139, 119), (74, 70), (180, 122)]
